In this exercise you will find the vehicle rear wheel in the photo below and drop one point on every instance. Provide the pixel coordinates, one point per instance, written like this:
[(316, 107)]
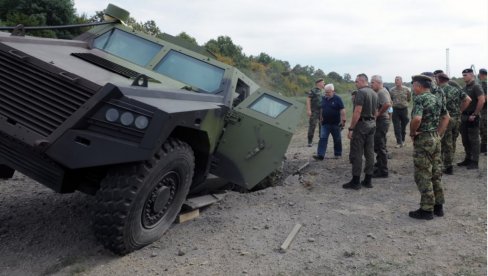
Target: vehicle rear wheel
[(6, 172), (137, 203)]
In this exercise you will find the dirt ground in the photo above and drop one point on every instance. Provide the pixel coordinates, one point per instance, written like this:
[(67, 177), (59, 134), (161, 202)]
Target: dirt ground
[(344, 232)]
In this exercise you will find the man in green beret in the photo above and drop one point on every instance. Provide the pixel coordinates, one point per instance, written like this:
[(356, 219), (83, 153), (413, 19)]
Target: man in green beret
[(470, 121), (314, 98), (429, 120)]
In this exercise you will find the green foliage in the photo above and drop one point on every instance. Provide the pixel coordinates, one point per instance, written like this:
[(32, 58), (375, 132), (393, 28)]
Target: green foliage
[(39, 13), (187, 38), (149, 27)]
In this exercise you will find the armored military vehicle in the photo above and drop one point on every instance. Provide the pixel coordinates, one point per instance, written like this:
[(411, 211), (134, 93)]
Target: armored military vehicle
[(137, 121)]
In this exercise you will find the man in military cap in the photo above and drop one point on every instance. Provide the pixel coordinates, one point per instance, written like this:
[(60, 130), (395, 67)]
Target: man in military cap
[(482, 78), (400, 96), (470, 121), (456, 102), (314, 98), (429, 121), (450, 82), (361, 132)]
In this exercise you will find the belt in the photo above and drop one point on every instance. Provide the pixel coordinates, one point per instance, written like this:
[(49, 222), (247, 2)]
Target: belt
[(366, 118)]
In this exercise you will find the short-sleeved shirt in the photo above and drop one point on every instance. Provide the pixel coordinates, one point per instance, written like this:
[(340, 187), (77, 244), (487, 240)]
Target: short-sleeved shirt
[(331, 110), (430, 108), (383, 97), (315, 96), (400, 96), (473, 90), (454, 97), (367, 98)]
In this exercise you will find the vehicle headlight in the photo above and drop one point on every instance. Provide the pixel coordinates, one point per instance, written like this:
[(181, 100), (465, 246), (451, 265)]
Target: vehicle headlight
[(141, 122), (127, 118), (112, 115)]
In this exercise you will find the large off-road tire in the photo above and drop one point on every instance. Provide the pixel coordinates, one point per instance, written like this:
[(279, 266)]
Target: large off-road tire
[(137, 203), (6, 172)]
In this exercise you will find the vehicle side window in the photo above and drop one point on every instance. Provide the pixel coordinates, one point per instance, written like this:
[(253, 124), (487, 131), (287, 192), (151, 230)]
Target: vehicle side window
[(191, 71), (269, 105)]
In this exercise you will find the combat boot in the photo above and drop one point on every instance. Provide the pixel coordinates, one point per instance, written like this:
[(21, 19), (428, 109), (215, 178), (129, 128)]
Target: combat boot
[(473, 165), (483, 148), (353, 184), (421, 214), (464, 163), (367, 181), (438, 210), (447, 170)]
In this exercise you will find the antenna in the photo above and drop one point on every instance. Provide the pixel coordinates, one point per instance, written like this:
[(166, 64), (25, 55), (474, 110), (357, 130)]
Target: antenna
[(447, 63)]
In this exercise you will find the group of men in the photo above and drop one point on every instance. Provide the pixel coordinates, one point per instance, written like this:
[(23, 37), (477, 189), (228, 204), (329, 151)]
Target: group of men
[(441, 111)]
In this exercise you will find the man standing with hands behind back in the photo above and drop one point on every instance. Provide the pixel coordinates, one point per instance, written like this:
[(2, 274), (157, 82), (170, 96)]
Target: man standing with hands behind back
[(313, 108), (429, 121), (361, 133)]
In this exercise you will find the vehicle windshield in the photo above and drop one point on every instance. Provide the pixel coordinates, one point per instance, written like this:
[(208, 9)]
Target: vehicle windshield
[(128, 46), (191, 71)]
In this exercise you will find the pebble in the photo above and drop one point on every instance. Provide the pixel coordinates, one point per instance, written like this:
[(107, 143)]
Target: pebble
[(181, 252), (311, 240)]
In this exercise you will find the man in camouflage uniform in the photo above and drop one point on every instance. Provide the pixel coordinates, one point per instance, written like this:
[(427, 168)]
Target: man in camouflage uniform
[(361, 132), (450, 82), (400, 96), (456, 102), (470, 121), (314, 98), (429, 121), (482, 77)]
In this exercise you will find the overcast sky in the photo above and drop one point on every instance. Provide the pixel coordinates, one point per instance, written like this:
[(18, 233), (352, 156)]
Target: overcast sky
[(382, 37)]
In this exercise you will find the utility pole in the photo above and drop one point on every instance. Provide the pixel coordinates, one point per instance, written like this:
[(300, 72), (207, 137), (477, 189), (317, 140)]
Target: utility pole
[(447, 62)]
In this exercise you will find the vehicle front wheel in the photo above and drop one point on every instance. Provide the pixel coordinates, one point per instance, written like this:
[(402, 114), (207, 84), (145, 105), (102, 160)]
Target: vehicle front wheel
[(137, 203)]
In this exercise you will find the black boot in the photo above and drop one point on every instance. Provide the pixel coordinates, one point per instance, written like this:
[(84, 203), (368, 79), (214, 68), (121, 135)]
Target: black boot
[(447, 170), (473, 165), (421, 214), (353, 184), (464, 163), (438, 210), (367, 181), (483, 148)]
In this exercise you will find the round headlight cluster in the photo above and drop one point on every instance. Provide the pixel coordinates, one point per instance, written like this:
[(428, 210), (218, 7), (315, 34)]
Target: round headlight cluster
[(127, 118)]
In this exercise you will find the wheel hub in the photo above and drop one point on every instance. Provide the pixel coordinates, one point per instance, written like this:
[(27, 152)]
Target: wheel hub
[(160, 199)]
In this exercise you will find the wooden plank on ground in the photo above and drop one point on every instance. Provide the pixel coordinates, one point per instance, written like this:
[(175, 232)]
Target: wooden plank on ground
[(202, 201), (188, 216), (290, 237)]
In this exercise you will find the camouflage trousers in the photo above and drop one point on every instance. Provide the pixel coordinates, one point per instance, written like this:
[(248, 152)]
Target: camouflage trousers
[(428, 172), (312, 124), (448, 142), (483, 129)]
